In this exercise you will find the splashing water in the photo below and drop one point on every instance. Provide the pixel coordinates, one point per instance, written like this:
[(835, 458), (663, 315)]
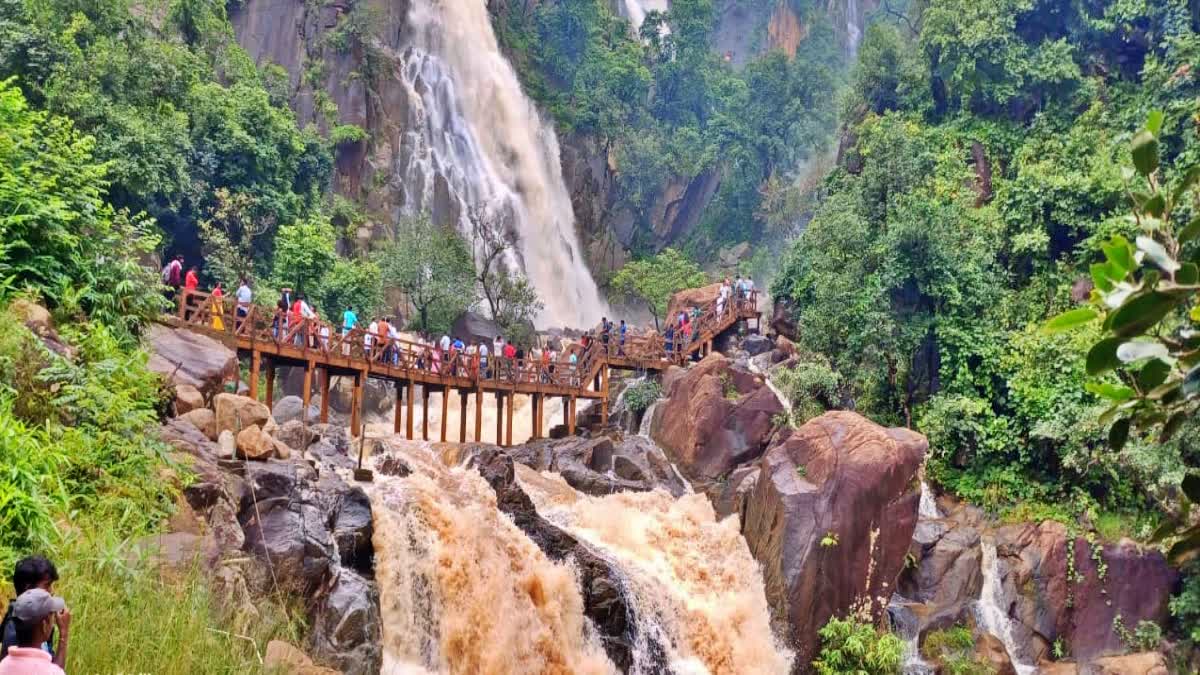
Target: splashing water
[(475, 146), (990, 611), (462, 589), (928, 509), (854, 26), (692, 577), (636, 10)]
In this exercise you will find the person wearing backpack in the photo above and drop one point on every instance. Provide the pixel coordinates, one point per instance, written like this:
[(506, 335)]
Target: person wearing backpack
[(172, 277)]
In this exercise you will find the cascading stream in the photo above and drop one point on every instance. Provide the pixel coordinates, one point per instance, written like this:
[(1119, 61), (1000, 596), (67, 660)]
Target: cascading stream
[(696, 587), (636, 10), (475, 147), (989, 610)]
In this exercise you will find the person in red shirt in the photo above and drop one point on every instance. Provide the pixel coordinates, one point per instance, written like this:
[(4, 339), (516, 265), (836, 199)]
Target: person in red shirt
[(192, 281)]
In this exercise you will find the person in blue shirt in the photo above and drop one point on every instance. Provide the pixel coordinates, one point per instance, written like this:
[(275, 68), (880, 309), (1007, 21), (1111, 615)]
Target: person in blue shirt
[(349, 320), (621, 347)]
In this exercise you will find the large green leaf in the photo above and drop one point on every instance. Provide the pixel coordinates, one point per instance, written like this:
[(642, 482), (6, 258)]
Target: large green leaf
[(1145, 152), (1188, 274), (1103, 356), (1071, 319), (1103, 276), (1152, 374), (1154, 121), (1119, 254), (1113, 392), (1140, 313), (1190, 231), (1118, 435)]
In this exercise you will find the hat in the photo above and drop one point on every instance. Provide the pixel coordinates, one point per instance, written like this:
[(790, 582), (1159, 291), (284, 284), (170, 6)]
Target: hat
[(36, 604)]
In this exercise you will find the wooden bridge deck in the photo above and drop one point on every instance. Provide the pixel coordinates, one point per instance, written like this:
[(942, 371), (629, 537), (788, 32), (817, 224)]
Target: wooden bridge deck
[(271, 338)]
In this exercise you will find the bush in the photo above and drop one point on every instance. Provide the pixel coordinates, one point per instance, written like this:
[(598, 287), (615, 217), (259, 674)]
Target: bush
[(811, 386), (953, 651), (851, 647), (639, 397)]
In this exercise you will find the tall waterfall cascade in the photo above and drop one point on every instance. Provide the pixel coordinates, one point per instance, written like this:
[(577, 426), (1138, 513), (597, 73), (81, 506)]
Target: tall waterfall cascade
[(476, 149), (990, 609), (636, 10)]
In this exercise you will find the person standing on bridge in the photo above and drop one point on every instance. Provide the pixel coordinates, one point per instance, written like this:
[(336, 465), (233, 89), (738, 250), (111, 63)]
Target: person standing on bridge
[(483, 360), (349, 320), (244, 297), (172, 277), (216, 308), (621, 345), (369, 336), (192, 281)]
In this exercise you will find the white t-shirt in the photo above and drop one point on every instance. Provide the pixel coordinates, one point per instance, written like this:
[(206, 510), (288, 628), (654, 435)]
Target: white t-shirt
[(369, 338), (306, 311), (244, 294), (445, 343), (498, 346)]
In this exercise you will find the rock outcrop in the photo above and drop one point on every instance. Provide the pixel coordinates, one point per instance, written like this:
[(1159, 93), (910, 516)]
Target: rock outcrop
[(713, 417), (188, 358), (236, 413), (830, 518), (601, 466)]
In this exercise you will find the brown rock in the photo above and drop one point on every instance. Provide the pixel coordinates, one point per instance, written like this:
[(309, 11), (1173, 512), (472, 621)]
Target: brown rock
[(842, 479), (713, 418), (235, 413), (1047, 606), (782, 321), (784, 30), (1144, 663), (226, 445), (184, 357), (282, 451), (187, 399), (990, 650), (282, 657), (204, 420), (35, 317), (252, 443), (686, 299)]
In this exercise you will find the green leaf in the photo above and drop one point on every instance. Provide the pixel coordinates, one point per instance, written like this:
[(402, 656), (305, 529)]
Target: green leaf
[(1154, 121), (1071, 319), (1136, 351), (1191, 487), (1155, 205), (1188, 182), (1157, 254), (1113, 392), (1102, 276), (1140, 313), (1191, 231), (1165, 393), (1102, 357), (1152, 374), (1188, 274), (1118, 435), (1172, 426), (1145, 152), (1119, 254)]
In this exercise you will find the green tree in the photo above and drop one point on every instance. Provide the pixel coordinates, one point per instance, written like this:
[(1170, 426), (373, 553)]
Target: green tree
[(653, 280), (852, 648), (356, 283), (432, 266), (304, 254)]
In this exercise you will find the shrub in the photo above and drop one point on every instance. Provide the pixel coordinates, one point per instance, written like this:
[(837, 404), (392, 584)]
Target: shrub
[(953, 651), (639, 397), (851, 647), (811, 386)]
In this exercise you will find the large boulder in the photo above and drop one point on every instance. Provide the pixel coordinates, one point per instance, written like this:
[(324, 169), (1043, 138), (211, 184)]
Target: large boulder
[(1051, 598), (601, 466), (690, 298), (475, 328), (291, 408), (254, 443), (347, 630), (830, 518), (286, 524), (187, 399), (204, 420), (282, 657), (188, 358), (235, 413), (714, 417)]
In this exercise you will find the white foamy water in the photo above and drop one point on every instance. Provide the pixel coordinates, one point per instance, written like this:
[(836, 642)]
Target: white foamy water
[(697, 589), (636, 10), (928, 509), (474, 144), (990, 609)]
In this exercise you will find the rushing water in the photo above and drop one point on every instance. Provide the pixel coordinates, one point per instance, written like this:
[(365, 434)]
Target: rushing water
[(463, 590), (474, 148), (636, 10), (854, 26), (990, 609), (695, 585)]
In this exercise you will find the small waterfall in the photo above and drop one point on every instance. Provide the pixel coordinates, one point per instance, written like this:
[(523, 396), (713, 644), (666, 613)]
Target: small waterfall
[(647, 419), (636, 10), (474, 147), (928, 510), (990, 609), (697, 589), (854, 26), (907, 627)]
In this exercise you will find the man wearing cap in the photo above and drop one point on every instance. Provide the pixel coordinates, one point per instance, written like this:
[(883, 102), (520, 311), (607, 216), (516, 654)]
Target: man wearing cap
[(35, 613), (35, 571)]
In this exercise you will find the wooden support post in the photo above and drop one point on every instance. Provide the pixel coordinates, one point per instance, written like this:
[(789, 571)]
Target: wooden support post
[(478, 415), (255, 366), (306, 393), (535, 408), (445, 410), (566, 412), (356, 404), (325, 385), (571, 417), (508, 433), (399, 403), (499, 418), (270, 383), (408, 417), (604, 392), (462, 415), (425, 412)]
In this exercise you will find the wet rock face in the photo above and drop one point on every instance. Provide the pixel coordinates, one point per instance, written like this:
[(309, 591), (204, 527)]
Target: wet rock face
[(1049, 601), (830, 518), (713, 417), (192, 359), (601, 466)]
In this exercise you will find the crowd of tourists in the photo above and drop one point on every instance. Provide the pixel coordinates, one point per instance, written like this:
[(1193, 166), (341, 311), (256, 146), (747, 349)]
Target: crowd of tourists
[(542, 359)]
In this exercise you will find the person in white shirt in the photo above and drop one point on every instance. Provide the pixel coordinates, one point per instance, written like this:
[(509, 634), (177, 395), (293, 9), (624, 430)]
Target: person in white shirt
[(445, 343), (498, 345), (394, 336), (369, 338), (483, 360), (244, 297)]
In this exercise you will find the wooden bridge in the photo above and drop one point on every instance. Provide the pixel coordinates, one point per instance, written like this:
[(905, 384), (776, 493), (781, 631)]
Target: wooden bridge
[(271, 337)]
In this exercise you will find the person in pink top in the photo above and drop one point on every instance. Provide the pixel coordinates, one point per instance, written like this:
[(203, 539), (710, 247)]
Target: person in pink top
[(35, 613)]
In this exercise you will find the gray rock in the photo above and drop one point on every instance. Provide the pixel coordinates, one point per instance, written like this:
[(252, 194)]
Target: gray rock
[(757, 344), (226, 445), (294, 434), (289, 408), (346, 630), (188, 358)]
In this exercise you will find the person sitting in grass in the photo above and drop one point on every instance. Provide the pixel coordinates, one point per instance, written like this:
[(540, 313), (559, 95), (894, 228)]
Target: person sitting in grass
[(35, 572), (35, 613)]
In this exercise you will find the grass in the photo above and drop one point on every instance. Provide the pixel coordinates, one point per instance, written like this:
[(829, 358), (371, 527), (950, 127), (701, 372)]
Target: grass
[(953, 651)]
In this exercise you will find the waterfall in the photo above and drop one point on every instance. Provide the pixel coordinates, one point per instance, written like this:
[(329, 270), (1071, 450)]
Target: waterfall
[(691, 577), (907, 627), (636, 10), (854, 26), (928, 509), (474, 147), (647, 420), (990, 609)]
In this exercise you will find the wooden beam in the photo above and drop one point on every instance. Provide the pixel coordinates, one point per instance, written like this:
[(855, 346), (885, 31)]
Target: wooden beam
[(306, 393), (571, 417), (508, 434), (425, 412), (604, 392), (462, 415), (408, 417), (270, 383), (478, 415), (255, 367), (399, 403), (356, 404), (325, 386), (445, 410), (566, 412), (535, 409), (499, 418)]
